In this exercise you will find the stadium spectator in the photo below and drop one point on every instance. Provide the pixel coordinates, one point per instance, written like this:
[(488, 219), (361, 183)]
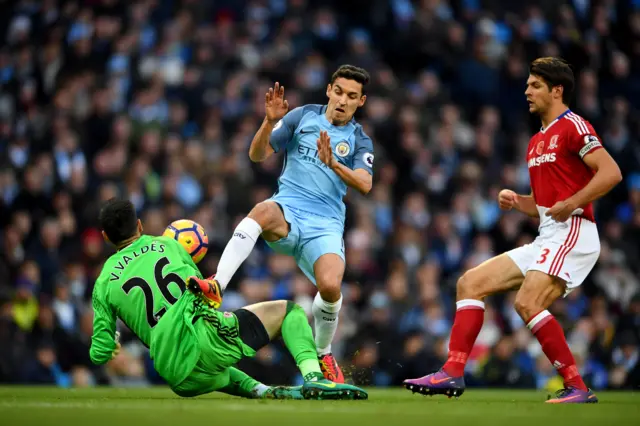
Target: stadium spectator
[(158, 100)]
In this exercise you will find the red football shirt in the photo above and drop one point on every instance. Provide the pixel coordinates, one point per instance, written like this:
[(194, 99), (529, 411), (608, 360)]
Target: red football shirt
[(554, 158)]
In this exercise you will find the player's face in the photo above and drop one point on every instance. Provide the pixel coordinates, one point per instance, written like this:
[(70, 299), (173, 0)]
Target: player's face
[(345, 97), (538, 95)]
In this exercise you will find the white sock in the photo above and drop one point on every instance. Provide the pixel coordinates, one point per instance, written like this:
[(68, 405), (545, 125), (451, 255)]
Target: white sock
[(237, 250), (260, 389), (325, 315)]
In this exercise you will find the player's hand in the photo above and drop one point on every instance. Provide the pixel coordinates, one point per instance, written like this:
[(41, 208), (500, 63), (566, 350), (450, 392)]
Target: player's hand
[(507, 199), (275, 104), (561, 211), (324, 149)]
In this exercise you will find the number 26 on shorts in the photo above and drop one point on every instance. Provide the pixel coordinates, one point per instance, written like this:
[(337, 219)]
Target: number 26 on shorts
[(543, 256)]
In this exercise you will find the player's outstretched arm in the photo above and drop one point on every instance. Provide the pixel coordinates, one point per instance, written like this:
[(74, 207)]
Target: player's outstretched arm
[(607, 176), (103, 340), (526, 204), (275, 107), (260, 148)]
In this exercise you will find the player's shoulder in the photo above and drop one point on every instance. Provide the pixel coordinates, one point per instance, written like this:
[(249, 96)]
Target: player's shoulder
[(166, 242), (105, 273), (362, 137), (296, 115), (575, 125), (314, 109), (536, 136)]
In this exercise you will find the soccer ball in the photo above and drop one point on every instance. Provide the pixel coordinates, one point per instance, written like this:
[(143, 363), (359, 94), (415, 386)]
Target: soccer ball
[(191, 236)]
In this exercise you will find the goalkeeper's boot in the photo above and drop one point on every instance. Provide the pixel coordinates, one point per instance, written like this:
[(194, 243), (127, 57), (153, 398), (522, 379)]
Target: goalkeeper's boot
[(439, 383), (208, 289), (330, 369), (573, 396), (317, 387), (283, 392)]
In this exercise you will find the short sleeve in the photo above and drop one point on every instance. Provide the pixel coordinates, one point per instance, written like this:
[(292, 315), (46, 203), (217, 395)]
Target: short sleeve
[(363, 155), (283, 130), (583, 139)]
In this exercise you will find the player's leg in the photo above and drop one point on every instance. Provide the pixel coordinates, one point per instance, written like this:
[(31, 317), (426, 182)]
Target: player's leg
[(537, 293), (203, 380), (328, 271), (262, 322), (221, 347), (242, 385), (562, 263), (266, 219), (232, 382), (267, 320), (495, 275), (322, 259)]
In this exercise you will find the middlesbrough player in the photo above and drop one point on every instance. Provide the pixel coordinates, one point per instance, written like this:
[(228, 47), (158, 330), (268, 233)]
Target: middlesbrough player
[(568, 169)]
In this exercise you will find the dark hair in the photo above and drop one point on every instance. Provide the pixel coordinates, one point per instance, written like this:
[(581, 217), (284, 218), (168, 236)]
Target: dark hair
[(351, 72), (118, 219), (555, 72)]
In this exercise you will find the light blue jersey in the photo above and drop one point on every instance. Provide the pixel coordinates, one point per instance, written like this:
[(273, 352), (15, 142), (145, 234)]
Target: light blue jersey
[(309, 193), (307, 181)]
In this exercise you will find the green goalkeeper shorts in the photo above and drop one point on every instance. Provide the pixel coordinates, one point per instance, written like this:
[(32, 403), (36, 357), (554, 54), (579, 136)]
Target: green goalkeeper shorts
[(224, 338)]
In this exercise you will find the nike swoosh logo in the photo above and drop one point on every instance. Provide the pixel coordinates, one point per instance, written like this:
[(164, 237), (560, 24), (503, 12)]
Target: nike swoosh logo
[(435, 382), (302, 131), (326, 385), (569, 398)]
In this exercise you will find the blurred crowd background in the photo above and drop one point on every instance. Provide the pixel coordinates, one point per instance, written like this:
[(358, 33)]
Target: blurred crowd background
[(158, 100)]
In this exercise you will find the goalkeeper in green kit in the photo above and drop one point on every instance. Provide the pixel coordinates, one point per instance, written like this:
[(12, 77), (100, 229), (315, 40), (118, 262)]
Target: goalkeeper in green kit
[(147, 284)]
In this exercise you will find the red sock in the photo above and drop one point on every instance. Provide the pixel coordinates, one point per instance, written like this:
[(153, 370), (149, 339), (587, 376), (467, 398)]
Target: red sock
[(554, 345), (465, 330)]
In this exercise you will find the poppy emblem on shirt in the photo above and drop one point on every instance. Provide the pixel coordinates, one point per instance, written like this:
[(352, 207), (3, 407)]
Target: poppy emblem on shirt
[(540, 148), (342, 149)]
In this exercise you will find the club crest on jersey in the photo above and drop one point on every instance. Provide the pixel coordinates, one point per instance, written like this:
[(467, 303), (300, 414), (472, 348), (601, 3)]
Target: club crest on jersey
[(554, 142), (342, 149), (540, 148)]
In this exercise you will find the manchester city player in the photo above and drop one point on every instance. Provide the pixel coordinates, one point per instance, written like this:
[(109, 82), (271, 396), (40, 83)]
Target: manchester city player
[(325, 151)]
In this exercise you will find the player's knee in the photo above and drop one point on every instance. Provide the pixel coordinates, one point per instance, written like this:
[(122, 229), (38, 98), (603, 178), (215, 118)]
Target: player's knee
[(525, 306), (260, 213), (469, 286), (270, 218), (329, 286)]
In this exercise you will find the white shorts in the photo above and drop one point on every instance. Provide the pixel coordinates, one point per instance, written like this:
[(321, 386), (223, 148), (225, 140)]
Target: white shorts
[(567, 250)]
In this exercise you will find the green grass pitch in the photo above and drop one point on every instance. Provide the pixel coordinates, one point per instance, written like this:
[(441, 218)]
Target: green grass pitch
[(25, 406)]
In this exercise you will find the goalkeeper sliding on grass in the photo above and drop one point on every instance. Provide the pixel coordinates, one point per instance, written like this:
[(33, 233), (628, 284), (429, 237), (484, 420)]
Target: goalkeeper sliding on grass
[(193, 346)]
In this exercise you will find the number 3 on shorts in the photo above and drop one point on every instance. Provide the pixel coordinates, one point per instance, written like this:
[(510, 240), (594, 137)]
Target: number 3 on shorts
[(543, 256)]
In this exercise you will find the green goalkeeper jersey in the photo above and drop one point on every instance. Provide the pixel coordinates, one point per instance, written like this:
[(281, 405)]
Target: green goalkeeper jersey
[(139, 284)]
